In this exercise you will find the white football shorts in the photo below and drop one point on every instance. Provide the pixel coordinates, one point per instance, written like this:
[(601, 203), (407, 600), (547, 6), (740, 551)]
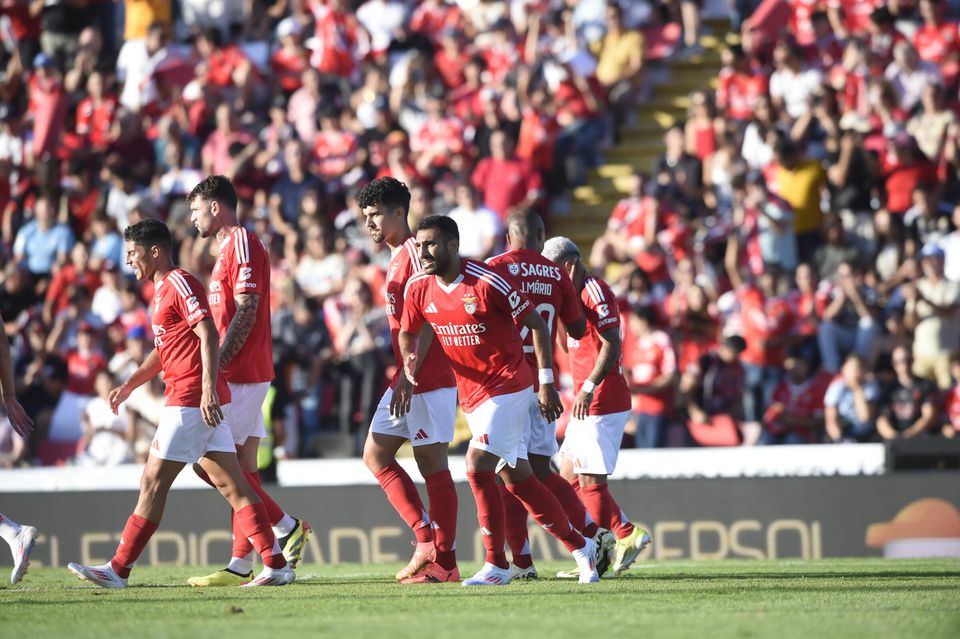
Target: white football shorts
[(501, 425), (246, 411), (430, 420), (183, 436), (593, 444)]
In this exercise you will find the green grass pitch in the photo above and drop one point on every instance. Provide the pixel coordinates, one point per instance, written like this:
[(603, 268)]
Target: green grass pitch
[(811, 600)]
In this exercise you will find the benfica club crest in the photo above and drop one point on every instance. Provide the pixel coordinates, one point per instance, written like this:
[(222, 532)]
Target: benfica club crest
[(514, 269), (470, 303)]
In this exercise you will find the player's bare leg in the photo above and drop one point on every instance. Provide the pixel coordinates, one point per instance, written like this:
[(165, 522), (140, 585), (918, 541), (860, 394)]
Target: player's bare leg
[(228, 478), (292, 534)]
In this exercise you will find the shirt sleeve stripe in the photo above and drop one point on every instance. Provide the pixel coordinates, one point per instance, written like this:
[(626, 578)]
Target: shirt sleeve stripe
[(480, 271), (181, 284), (488, 277), (596, 293), (411, 245), (243, 247), (416, 278)]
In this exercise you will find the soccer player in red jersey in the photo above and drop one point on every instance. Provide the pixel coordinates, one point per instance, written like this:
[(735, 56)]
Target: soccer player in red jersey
[(429, 424), (193, 424), (477, 316), (602, 405), (240, 277), (551, 292)]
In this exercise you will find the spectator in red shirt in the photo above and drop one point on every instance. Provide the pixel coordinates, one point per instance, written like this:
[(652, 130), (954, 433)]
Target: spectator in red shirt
[(291, 59), (48, 104), (715, 387), (739, 86), (938, 41), (883, 37), (228, 67), (337, 34), (650, 367), (796, 415), (335, 150), (94, 117), (78, 272), (439, 139), (506, 183), (434, 18), (904, 167), (450, 58), (216, 151)]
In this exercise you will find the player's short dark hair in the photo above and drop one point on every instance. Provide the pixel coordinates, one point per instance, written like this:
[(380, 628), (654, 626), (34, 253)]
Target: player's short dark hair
[(148, 232), (387, 192), (447, 227), (215, 188), (525, 221)]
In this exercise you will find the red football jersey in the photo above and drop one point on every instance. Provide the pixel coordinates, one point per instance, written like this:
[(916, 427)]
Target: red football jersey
[(647, 359), (435, 370), (476, 321), (547, 287), (935, 42), (612, 394), (179, 304), (804, 400), (243, 267)]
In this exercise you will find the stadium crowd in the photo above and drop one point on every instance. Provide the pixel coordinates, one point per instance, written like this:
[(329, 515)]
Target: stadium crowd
[(789, 268)]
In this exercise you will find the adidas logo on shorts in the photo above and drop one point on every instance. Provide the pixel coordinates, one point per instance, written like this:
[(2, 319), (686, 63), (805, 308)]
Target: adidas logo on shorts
[(421, 434)]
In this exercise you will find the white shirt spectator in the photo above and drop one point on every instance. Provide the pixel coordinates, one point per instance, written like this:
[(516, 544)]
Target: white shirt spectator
[(479, 230), (381, 18), (910, 84), (108, 445), (795, 89), (320, 277)]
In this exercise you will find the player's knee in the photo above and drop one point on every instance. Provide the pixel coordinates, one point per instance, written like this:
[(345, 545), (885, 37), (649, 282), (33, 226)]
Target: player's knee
[(374, 458), (151, 487), (431, 459)]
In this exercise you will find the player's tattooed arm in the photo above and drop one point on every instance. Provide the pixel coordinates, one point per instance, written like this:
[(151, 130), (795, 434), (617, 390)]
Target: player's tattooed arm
[(240, 327), (609, 354)]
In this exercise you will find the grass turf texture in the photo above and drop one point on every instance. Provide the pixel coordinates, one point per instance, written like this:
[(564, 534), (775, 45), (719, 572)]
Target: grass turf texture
[(828, 598)]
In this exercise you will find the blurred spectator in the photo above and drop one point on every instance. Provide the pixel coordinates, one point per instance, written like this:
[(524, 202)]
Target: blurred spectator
[(619, 64), (107, 438), (505, 182), (910, 75), (849, 323), (792, 84), (796, 413), (908, 406), (680, 170), (850, 404), (320, 271), (951, 427), (42, 241), (740, 88), (800, 182), (715, 387), (77, 272), (951, 249), (650, 366), (480, 228), (932, 305)]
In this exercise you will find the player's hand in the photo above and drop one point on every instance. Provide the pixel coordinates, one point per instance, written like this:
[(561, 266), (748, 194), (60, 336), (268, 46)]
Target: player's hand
[(117, 396), (550, 405), (21, 422), (581, 405), (402, 395), (410, 368), (210, 408)]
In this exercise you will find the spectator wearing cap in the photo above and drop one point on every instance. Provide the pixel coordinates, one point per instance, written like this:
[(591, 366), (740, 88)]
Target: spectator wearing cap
[(42, 241), (291, 58), (908, 406), (800, 182), (650, 367), (850, 404), (48, 104), (910, 75), (932, 305), (796, 413), (505, 182), (850, 323), (792, 84)]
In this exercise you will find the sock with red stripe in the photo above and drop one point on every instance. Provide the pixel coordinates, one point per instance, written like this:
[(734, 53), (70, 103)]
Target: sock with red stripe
[(442, 495), (546, 511), (590, 526), (255, 525), (605, 510), (275, 513), (403, 496), (133, 540), (490, 515), (515, 519)]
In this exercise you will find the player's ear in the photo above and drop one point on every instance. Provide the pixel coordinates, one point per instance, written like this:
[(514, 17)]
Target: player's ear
[(214, 207)]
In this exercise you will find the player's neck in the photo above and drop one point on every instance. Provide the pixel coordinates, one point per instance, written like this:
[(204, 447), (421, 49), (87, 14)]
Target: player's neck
[(453, 271), (226, 230), (162, 271), (397, 240)]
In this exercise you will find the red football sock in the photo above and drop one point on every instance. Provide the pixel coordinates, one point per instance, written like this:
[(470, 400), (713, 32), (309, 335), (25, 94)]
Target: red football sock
[(133, 540), (622, 528), (490, 515), (443, 511), (274, 512), (590, 526), (256, 526), (403, 496), (605, 510), (515, 517), (241, 545), (568, 499), (546, 511)]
